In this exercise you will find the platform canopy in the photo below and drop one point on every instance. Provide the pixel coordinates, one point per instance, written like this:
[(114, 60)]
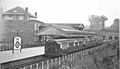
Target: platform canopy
[(79, 33), (52, 30)]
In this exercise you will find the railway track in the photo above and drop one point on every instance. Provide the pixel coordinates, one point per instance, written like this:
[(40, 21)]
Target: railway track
[(23, 62), (40, 58)]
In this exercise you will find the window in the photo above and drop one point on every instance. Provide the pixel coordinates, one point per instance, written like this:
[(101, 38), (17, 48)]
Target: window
[(7, 17), (36, 26), (21, 17), (116, 37), (14, 17), (110, 37)]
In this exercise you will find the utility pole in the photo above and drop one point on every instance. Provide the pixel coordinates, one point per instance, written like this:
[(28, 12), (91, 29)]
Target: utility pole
[(103, 19), (17, 32), (103, 30)]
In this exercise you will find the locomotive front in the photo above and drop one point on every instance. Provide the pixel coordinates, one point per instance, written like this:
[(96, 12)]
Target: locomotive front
[(52, 48)]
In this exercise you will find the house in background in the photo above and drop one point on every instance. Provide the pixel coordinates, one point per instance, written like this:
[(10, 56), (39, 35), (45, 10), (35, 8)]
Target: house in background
[(18, 13), (19, 22)]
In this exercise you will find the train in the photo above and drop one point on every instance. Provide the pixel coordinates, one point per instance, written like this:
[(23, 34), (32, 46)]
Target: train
[(59, 47)]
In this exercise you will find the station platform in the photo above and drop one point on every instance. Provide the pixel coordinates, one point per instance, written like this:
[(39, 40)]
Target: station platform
[(7, 56)]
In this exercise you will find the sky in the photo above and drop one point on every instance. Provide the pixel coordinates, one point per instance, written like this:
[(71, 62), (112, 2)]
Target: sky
[(68, 11)]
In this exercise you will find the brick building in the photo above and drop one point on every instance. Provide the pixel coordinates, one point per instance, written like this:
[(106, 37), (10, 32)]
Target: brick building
[(19, 22)]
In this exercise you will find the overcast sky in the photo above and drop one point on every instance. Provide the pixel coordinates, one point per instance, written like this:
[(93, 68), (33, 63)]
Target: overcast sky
[(68, 11)]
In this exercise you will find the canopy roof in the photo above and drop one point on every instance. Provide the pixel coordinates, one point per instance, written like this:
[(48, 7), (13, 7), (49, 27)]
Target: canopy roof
[(77, 33), (53, 30)]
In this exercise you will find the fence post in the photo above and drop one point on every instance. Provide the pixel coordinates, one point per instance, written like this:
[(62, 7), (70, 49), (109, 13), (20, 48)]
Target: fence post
[(47, 64), (71, 57), (51, 62), (68, 57), (36, 65), (42, 65), (65, 57), (0, 48), (30, 66), (78, 44), (23, 67), (81, 54), (0, 66), (74, 43), (59, 60), (55, 61), (62, 58)]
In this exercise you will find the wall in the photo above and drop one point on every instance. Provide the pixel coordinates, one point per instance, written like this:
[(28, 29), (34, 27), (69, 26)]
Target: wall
[(25, 30)]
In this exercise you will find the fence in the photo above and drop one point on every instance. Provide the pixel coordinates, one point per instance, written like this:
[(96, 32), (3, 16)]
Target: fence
[(55, 63), (9, 46)]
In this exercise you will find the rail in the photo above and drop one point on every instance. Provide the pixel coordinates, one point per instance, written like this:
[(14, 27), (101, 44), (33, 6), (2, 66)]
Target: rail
[(9, 46)]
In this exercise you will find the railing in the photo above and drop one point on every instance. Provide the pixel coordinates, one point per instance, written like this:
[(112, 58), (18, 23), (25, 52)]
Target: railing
[(9, 46)]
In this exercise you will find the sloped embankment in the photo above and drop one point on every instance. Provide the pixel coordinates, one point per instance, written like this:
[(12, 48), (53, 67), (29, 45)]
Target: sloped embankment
[(105, 58)]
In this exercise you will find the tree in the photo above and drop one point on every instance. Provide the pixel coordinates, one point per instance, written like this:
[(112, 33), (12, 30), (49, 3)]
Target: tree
[(97, 22), (93, 18), (115, 25), (103, 19)]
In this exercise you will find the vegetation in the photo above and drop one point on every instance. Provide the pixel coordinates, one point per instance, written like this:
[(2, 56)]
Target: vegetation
[(97, 22), (105, 58)]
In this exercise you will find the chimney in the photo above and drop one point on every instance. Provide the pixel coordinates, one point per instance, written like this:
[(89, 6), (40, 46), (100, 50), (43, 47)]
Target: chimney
[(26, 9), (26, 13), (36, 14)]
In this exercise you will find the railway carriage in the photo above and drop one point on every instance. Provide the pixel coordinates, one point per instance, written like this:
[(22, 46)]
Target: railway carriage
[(59, 47)]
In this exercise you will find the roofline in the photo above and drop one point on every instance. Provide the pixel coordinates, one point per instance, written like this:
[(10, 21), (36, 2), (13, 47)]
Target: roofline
[(13, 13), (18, 14), (64, 23), (35, 20)]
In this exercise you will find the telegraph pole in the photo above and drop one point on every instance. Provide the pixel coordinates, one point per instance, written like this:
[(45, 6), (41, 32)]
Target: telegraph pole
[(17, 32), (103, 29)]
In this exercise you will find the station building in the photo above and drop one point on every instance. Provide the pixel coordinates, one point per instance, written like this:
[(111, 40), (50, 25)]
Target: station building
[(20, 22)]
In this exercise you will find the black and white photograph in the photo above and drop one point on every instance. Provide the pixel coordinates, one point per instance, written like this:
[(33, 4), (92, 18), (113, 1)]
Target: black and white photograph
[(59, 34)]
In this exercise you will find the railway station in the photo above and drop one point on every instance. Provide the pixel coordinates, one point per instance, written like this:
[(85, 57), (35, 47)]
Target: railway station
[(28, 43)]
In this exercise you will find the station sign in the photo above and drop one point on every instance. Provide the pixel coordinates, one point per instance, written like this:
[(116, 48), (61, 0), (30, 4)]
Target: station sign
[(17, 43)]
